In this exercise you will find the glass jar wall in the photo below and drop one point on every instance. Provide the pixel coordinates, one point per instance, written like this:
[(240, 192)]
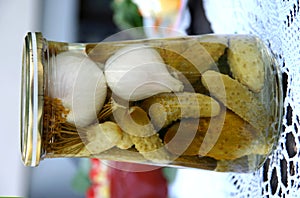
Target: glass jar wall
[(209, 101)]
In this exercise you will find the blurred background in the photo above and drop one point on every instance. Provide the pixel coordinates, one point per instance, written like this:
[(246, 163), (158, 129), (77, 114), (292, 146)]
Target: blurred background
[(76, 21)]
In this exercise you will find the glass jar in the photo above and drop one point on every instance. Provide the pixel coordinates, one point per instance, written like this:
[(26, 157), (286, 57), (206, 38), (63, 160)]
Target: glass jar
[(212, 102)]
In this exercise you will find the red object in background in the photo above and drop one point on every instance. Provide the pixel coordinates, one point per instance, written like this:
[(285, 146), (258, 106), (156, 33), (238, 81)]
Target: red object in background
[(94, 171), (126, 180), (130, 184), (92, 191)]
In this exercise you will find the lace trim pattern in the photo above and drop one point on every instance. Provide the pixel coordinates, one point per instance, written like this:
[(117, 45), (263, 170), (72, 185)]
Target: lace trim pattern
[(277, 23)]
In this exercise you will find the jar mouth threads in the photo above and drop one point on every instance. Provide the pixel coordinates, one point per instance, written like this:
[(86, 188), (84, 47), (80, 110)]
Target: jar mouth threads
[(32, 99)]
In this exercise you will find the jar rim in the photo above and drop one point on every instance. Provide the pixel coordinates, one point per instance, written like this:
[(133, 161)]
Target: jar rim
[(32, 99)]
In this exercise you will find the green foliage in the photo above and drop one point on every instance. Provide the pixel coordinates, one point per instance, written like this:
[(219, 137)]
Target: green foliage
[(170, 174), (81, 181), (126, 14)]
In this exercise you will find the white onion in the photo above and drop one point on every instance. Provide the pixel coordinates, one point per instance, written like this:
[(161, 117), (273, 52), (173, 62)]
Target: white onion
[(137, 72), (80, 84)]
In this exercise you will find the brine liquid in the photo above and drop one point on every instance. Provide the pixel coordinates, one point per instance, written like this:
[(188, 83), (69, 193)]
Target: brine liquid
[(224, 119)]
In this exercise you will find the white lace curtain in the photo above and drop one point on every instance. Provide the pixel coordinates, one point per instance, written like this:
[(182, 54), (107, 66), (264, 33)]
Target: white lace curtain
[(277, 23)]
